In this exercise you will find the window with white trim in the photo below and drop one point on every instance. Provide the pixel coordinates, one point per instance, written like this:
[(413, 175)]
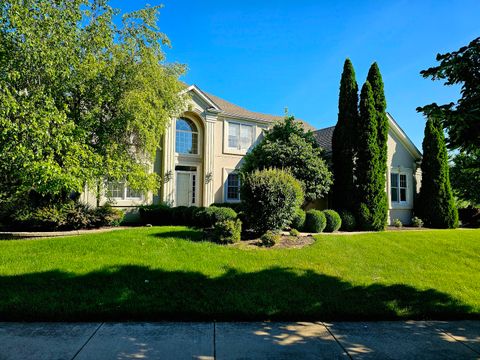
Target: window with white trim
[(398, 188), (186, 138), (232, 189), (118, 190), (240, 136)]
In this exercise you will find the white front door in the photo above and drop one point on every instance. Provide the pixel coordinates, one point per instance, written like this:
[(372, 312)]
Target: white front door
[(186, 188)]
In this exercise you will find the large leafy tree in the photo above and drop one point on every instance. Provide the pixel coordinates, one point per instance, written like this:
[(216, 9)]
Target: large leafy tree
[(461, 119), (436, 205), (371, 196), (81, 98), (343, 140), (465, 176), (374, 77), (288, 146)]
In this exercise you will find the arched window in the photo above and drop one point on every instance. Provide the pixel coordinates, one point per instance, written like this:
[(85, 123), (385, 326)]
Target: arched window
[(186, 137)]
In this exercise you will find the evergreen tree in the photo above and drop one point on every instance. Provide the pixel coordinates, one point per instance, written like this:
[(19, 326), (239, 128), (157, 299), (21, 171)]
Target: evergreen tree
[(371, 195), (343, 140), (375, 79), (436, 205)]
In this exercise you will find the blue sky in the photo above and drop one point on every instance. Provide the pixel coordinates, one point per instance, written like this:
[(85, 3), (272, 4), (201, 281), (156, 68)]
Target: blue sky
[(268, 55)]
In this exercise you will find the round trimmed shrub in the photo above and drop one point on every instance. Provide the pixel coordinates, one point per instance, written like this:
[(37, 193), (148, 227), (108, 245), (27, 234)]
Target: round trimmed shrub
[(227, 231), (333, 221), (348, 221), (160, 214), (298, 221), (270, 238), (208, 217), (270, 198), (315, 221)]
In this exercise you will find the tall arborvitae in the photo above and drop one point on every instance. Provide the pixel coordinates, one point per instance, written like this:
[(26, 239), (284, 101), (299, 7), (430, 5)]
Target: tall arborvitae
[(436, 205), (343, 140), (371, 195), (375, 79)]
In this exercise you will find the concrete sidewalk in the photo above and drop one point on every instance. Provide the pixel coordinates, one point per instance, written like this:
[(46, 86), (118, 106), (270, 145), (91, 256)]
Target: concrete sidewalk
[(256, 340)]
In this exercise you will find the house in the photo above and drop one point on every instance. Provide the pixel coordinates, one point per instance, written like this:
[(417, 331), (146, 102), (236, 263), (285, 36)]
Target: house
[(202, 149)]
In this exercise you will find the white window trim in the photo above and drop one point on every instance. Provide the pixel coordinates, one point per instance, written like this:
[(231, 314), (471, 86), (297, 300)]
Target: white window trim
[(236, 151), (408, 204), (227, 172), (125, 191), (199, 138)]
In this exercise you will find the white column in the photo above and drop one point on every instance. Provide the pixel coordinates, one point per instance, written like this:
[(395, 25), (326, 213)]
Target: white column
[(209, 194), (168, 176)]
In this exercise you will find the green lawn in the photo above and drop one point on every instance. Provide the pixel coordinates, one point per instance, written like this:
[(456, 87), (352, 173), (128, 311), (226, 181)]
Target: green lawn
[(159, 273)]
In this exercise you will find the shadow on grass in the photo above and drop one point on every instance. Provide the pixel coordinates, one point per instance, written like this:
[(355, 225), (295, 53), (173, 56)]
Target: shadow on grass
[(188, 234), (140, 293)]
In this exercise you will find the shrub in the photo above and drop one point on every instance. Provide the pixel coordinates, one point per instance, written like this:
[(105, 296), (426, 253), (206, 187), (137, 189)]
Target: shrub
[(160, 214), (78, 216), (417, 222), (348, 221), (298, 221), (270, 238), (106, 215), (237, 206), (470, 217), (315, 221), (227, 231), (208, 217), (270, 198), (397, 223), (333, 220), (294, 232)]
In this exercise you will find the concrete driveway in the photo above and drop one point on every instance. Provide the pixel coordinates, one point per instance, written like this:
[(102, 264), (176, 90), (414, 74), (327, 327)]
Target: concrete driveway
[(256, 340)]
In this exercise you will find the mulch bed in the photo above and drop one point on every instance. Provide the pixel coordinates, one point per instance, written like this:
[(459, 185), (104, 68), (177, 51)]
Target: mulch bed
[(286, 242)]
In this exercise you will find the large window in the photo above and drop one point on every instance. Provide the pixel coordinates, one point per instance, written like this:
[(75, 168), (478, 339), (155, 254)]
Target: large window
[(240, 136), (118, 190), (398, 188), (233, 187), (186, 137)]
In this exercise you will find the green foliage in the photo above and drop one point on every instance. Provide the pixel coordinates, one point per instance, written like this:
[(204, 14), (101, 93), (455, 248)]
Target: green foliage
[(156, 214), (465, 176), (287, 146), (371, 196), (436, 205), (294, 232), (470, 217), (270, 238), (315, 221), (349, 223), (460, 119), (417, 222), (298, 221), (343, 140), (82, 98), (270, 199), (374, 77), (334, 222), (237, 207), (397, 223), (227, 231), (209, 216)]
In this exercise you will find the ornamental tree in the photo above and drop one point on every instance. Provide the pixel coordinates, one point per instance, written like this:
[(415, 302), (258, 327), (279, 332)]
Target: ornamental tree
[(343, 140), (371, 196), (288, 146), (81, 99), (465, 176), (436, 205)]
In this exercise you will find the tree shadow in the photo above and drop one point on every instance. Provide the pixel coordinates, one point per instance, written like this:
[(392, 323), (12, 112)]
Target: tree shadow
[(141, 293), (187, 234)]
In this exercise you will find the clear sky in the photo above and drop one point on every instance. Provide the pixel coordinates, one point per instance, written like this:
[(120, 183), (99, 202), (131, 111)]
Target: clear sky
[(268, 55)]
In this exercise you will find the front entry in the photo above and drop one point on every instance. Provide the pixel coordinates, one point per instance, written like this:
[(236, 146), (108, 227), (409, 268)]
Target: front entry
[(186, 193)]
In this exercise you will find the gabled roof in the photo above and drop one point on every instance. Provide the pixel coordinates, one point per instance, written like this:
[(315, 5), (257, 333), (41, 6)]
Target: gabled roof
[(324, 138), (229, 109)]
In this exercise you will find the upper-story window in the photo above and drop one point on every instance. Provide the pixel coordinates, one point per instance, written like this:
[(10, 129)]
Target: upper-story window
[(398, 188), (186, 137), (240, 136)]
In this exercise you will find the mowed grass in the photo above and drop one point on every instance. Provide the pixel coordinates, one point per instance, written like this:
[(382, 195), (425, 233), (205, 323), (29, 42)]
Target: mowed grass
[(166, 273)]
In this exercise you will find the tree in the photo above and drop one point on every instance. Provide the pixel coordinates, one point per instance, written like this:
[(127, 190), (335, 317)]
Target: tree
[(371, 195), (81, 99), (375, 79), (460, 119), (465, 176), (288, 146), (436, 205), (343, 140)]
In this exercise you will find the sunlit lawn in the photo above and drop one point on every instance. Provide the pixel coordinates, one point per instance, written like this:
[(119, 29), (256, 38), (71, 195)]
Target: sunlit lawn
[(164, 273)]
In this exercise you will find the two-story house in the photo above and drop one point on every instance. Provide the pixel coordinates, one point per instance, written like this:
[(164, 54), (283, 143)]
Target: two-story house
[(202, 149)]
